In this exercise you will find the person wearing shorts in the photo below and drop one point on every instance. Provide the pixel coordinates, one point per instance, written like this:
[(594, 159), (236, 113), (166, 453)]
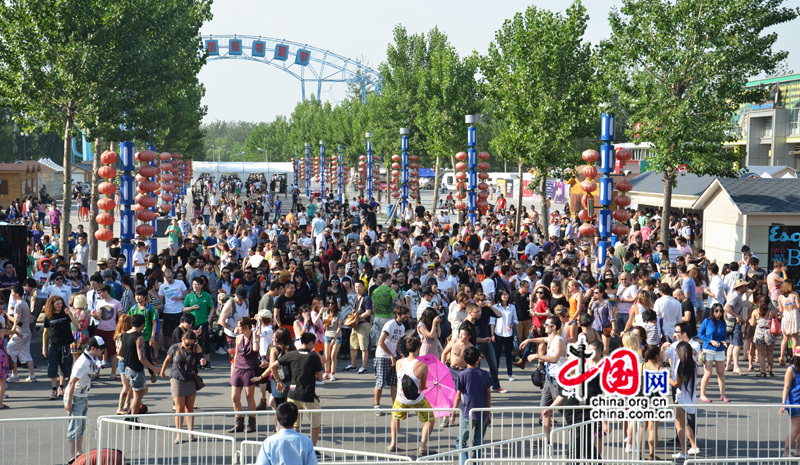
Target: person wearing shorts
[(359, 337), (413, 374), (132, 351), (76, 396), (19, 346), (306, 369), (386, 354), (713, 333), (554, 359)]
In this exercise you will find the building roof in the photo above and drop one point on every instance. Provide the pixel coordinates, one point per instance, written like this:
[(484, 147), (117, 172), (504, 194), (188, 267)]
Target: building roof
[(35, 164), (767, 171), (51, 164), (774, 80), (84, 166), (21, 167), (760, 195), (688, 184)]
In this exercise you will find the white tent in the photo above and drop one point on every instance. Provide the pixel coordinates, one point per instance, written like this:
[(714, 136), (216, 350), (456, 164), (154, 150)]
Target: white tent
[(243, 169)]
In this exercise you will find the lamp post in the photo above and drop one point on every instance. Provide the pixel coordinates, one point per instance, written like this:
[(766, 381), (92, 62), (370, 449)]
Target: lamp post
[(606, 186), (472, 161), (321, 170), (341, 177), (404, 132), (308, 169), (369, 165)]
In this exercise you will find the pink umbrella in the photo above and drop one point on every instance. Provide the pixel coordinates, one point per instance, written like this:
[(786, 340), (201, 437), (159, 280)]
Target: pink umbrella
[(440, 389)]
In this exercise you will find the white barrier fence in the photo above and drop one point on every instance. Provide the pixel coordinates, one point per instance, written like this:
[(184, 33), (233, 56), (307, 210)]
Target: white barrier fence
[(39, 441), (248, 451)]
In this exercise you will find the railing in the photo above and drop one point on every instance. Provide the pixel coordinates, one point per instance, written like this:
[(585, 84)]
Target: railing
[(37, 441), (248, 452), (549, 461), (143, 443), (508, 451)]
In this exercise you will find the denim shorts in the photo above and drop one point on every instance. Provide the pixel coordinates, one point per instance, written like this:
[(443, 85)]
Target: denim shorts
[(737, 339), (328, 340), (77, 426), (136, 378)]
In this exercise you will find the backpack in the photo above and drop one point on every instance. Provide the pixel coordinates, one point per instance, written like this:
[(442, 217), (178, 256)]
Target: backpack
[(409, 387)]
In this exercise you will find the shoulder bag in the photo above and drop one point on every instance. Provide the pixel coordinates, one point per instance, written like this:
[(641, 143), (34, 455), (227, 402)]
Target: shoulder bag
[(198, 381), (352, 318)]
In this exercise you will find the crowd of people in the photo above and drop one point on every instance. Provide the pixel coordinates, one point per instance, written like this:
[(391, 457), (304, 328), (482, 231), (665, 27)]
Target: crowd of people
[(288, 287)]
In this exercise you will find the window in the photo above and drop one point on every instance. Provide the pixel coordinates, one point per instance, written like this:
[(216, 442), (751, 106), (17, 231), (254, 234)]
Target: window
[(766, 127), (794, 120), (4, 187)]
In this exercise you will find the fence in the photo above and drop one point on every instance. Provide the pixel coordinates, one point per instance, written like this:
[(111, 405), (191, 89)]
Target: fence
[(248, 451), (143, 443), (50, 445), (507, 451)]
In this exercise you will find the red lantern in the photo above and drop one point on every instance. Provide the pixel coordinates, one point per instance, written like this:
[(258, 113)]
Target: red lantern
[(104, 235), (483, 175), (395, 194), (461, 205), (461, 156), (590, 155), (106, 203), (414, 173), (413, 195), (362, 158), (108, 157), (148, 185), (105, 219), (483, 195), (413, 158), (622, 200), (414, 166), (623, 154), (483, 156), (107, 172), (146, 201), (166, 166), (483, 166), (588, 186), (396, 157), (107, 188), (145, 229), (164, 156), (620, 230), (584, 215), (587, 230), (146, 215), (461, 176), (461, 166), (483, 206), (589, 171), (621, 215), (146, 156), (483, 186), (585, 201), (165, 207), (623, 185)]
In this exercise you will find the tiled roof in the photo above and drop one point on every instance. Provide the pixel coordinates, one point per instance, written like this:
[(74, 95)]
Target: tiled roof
[(688, 184), (761, 195)]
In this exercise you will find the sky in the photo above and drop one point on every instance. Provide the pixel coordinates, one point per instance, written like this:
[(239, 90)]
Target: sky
[(361, 30)]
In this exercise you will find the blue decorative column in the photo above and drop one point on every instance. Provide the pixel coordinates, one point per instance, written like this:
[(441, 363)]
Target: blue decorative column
[(369, 166), (404, 132), (606, 187), (341, 177), (308, 169), (128, 195), (472, 163), (321, 170), (154, 209)]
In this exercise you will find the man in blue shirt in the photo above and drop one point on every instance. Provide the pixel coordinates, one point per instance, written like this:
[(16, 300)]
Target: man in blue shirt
[(288, 446)]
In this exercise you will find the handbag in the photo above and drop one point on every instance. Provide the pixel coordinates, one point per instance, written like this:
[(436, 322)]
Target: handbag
[(729, 323), (775, 327), (352, 318), (538, 377), (198, 381)]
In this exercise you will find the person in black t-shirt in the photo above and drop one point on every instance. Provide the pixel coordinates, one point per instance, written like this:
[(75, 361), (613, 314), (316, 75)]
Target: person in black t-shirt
[(306, 369), (286, 308), (55, 342), (133, 355)]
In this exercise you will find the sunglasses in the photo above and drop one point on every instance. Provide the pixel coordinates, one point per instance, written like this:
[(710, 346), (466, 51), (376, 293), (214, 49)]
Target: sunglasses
[(540, 292)]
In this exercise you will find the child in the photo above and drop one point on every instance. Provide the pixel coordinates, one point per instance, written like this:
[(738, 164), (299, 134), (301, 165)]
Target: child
[(651, 326), (474, 387)]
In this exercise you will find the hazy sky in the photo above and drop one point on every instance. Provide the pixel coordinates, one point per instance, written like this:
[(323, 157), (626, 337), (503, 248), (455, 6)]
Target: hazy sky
[(358, 29)]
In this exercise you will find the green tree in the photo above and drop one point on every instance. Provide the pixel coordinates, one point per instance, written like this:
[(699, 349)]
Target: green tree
[(538, 75), (680, 68)]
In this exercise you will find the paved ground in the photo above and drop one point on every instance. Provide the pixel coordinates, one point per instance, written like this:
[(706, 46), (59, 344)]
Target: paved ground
[(728, 428)]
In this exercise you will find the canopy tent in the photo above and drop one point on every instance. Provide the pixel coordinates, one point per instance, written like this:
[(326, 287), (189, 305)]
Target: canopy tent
[(427, 173), (242, 169)]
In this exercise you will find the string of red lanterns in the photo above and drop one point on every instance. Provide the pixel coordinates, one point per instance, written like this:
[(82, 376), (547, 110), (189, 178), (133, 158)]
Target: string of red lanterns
[(107, 204)]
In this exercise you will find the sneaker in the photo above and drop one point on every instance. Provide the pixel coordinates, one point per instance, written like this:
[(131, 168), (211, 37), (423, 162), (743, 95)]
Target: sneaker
[(362, 370), (694, 451), (511, 378), (30, 379), (320, 383), (500, 390), (377, 410), (333, 377), (12, 379), (60, 391), (678, 455), (221, 351), (629, 449), (325, 376), (445, 422), (54, 395), (349, 367)]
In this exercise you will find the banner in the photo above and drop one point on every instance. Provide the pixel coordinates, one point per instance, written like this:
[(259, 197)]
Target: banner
[(784, 246)]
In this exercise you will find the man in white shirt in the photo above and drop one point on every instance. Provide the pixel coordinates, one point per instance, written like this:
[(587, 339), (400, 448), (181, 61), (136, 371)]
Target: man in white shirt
[(140, 258), (81, 252), (386, 354), (322, 241), (57, 287), (444, 283), (77, 392), (667, 308), (626, 296), (317, 224), (172, 293), (716, 289), (381, 259)]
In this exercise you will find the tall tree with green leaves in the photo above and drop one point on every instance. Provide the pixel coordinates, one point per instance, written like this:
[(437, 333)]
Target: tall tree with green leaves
[(680, 68), (539, 75)]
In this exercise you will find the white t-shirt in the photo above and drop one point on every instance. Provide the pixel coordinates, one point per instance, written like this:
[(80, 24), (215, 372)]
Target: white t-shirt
[(168, 291), (669, 310), (41, 278), (265, 341), (83, 369), (395, 331), (138, 257), (82, 254), (488, 288), (628, 292)]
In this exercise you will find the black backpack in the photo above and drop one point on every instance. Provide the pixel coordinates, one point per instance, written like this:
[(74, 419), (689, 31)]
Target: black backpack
[(409, 387)]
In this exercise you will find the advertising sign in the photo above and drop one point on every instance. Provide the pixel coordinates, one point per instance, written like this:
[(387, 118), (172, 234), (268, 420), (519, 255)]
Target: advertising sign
[(784, 246)]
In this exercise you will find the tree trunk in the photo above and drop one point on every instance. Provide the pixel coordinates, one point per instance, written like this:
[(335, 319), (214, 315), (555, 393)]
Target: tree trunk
[(518, 220), (669, 178), (545, 212), (436, 184), (93, 198), (66, 206)]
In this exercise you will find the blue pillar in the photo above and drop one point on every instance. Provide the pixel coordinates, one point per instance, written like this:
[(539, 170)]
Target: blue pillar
[(153, 238), (321, 169), (369, 166), (605, 186), (472, 163), (308, 169), (128, 195), (341, 177), (404, 162)]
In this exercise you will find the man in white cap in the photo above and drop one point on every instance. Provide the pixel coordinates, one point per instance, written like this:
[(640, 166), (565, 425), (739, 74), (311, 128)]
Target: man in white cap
[(734, 310), (77, 393)]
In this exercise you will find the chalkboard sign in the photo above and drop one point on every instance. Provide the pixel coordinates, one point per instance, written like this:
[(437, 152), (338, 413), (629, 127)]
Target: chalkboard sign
[(784, 246)]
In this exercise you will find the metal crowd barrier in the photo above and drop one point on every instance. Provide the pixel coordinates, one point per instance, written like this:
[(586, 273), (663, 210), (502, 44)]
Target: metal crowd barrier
[(36, 441), (508, 450)]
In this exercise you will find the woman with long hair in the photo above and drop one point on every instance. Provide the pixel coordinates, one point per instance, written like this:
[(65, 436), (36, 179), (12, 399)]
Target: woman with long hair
[(788, 304), (503, 336), (183, 357), (244, 369), (791, 396), (56, 341), (713, 333), (80, 333), (75, 281), (685, 383), (126, 395), (575, 300), (642, 303), (332, 319), (764, 340), (127, 300), (429, 328), (603, 313)]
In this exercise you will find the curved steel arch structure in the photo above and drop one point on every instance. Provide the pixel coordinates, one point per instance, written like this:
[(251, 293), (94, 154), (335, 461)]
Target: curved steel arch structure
[(304, 62)]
